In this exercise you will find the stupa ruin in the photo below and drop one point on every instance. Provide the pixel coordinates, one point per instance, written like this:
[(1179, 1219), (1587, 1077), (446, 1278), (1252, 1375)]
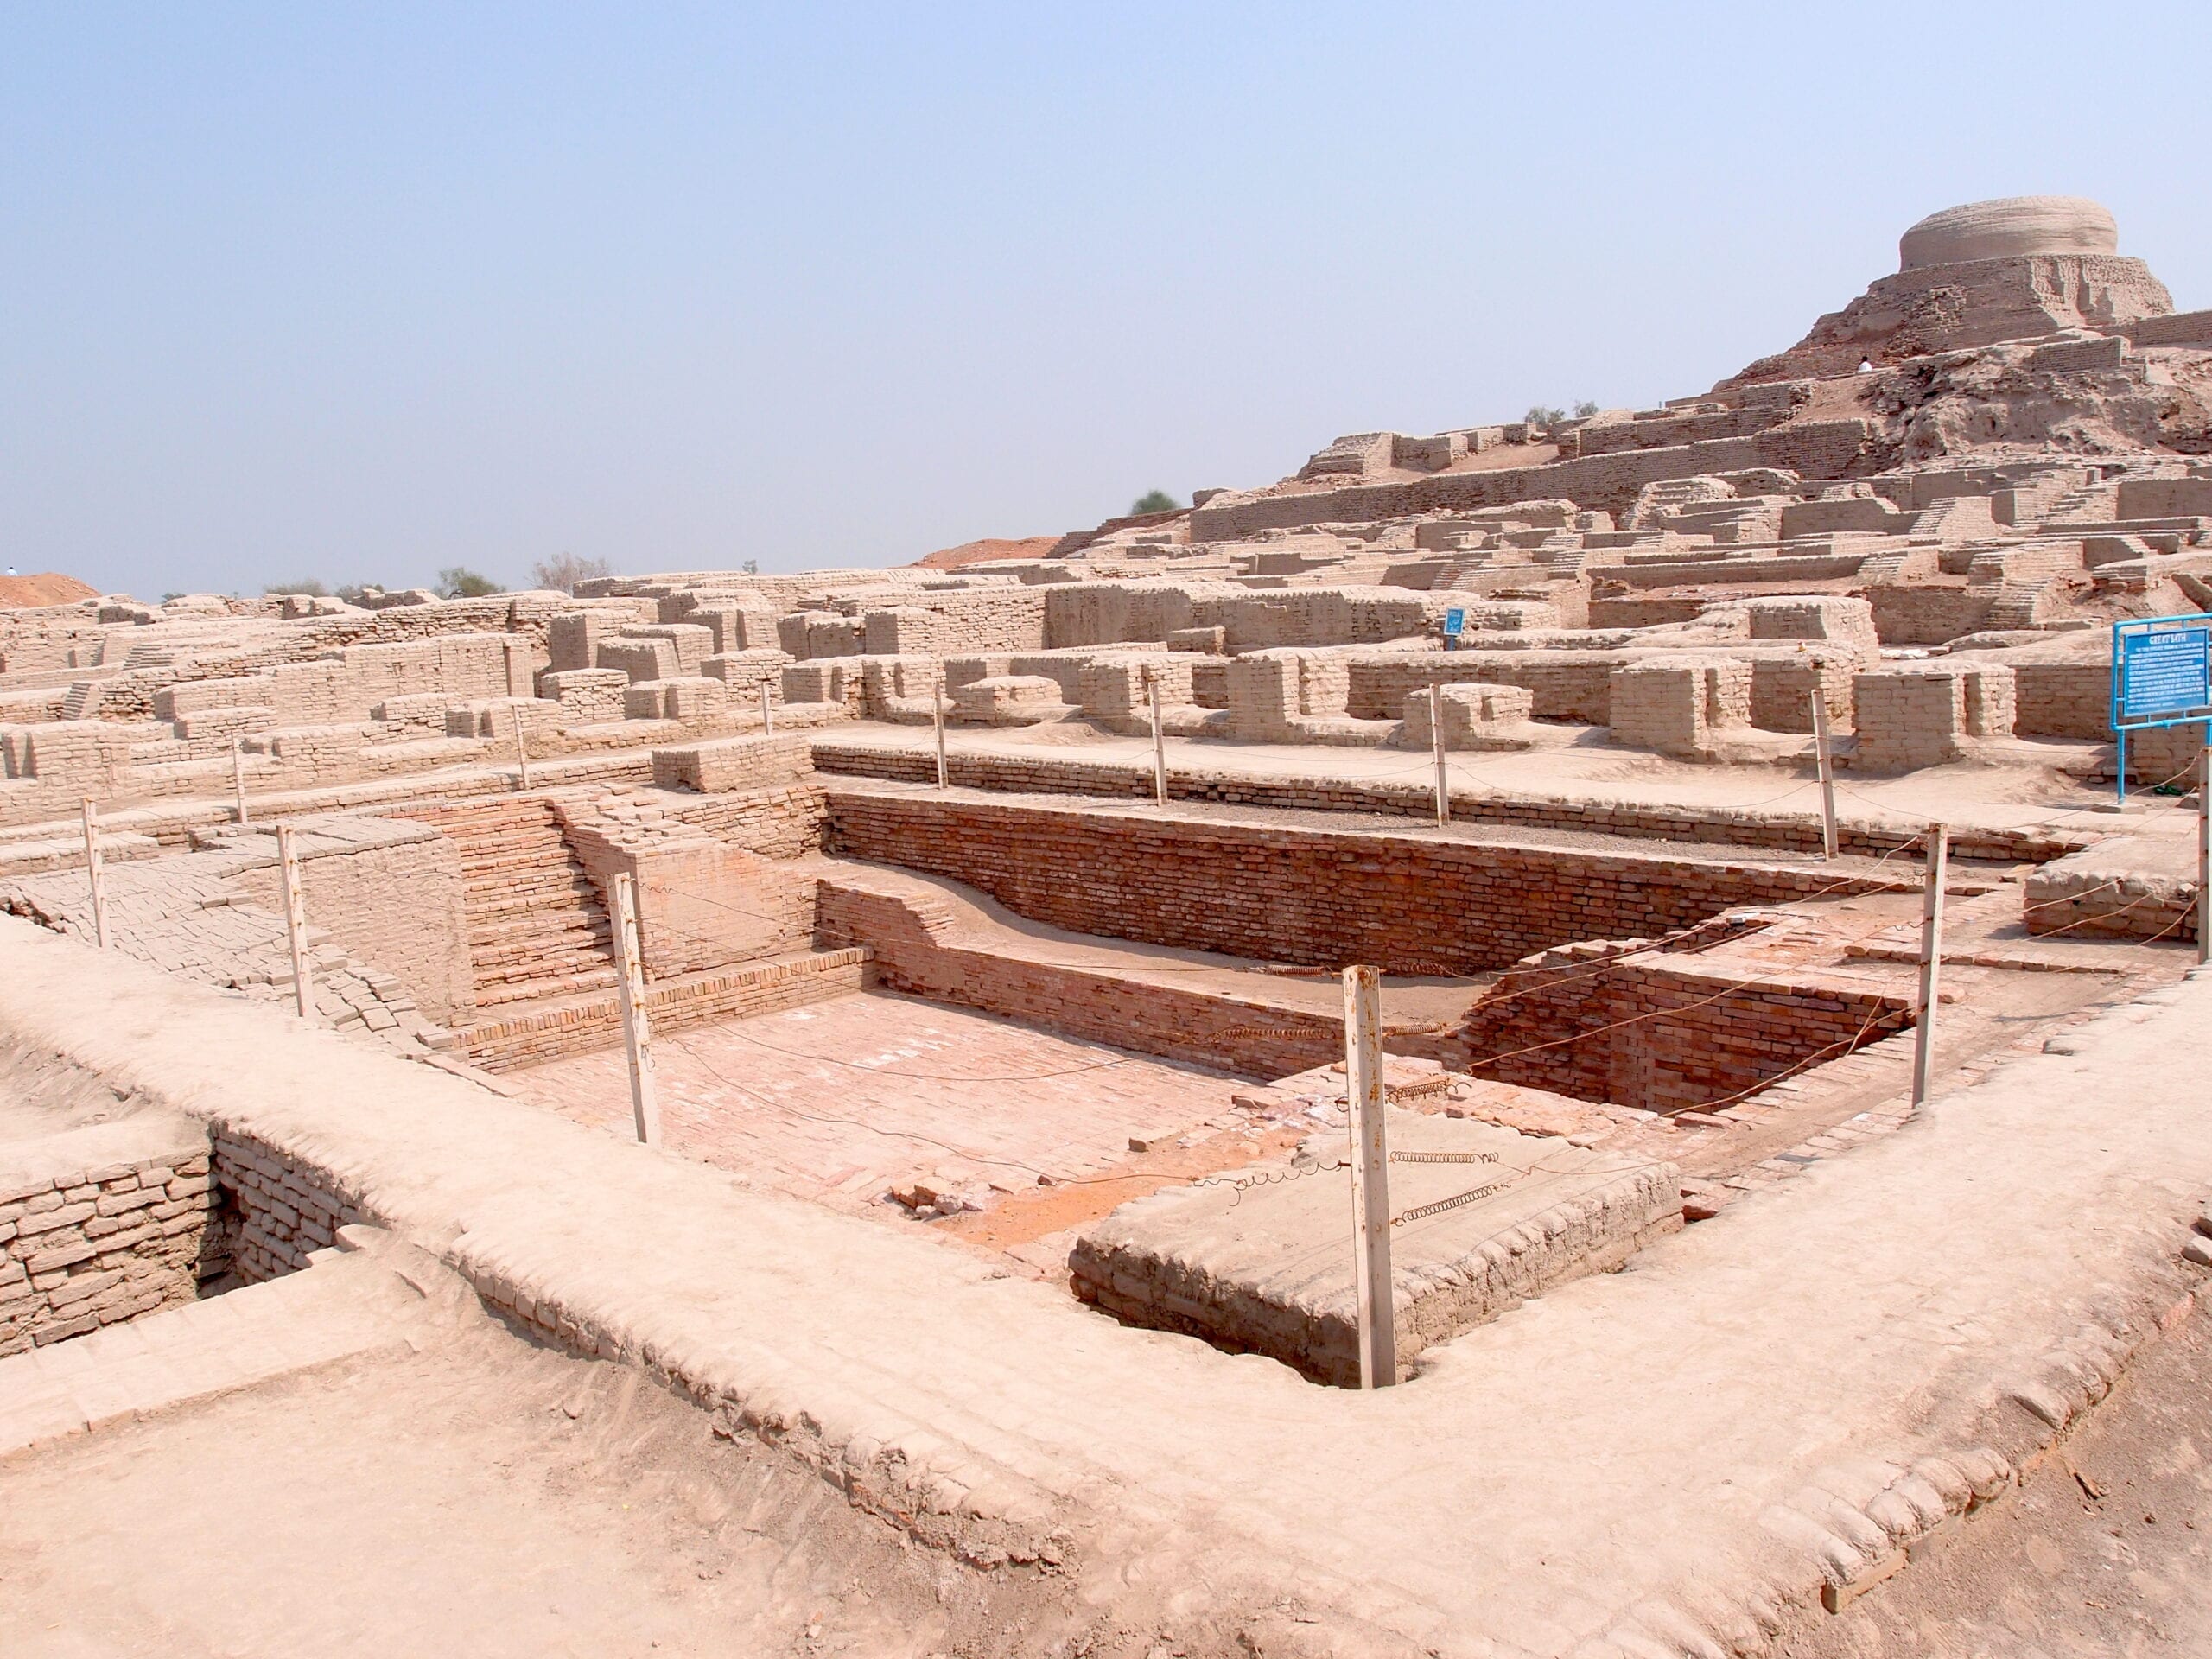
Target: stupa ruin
[(964, 945)]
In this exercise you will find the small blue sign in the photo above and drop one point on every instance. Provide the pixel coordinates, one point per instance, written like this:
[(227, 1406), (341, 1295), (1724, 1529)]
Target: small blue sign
[(2164, 673), (2161, 676), (1455, 621)]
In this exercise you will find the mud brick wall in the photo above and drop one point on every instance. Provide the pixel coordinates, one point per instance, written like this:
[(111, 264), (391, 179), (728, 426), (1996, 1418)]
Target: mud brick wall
[(397, 906), (1929, 616), (1317, 616), (87, 1244), (1079, 614), (1663, 1037), (1813, 449), (2098, 895), (1278, 892), (1789, 832), (913, 953), (2062, 699), (987, 620), (1568, 685), (277, 1209)]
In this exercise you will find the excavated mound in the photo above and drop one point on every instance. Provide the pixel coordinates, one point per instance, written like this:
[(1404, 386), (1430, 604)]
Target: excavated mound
[(991, 547), (48, 587)]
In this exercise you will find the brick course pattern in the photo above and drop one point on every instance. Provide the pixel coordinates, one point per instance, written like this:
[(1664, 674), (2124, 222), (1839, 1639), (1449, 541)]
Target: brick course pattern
[(1711, 826), (1282, 892), (392, 900), (580, 1026), (91, 1247), (907, 937), (1664, 1036), (279, 1211)]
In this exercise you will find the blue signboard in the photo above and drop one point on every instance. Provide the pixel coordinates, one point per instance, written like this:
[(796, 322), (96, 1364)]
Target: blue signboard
[(2165, 674), (2161, 676), (1455, 621)]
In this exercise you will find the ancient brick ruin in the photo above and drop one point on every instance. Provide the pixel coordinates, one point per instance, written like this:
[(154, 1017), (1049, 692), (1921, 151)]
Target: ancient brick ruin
[(1001, 907)]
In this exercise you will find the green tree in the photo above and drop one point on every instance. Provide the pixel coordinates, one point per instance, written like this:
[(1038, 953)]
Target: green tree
[(1543, 415), (312, 587), (1585, 409), (458, 582), (1155, 501)]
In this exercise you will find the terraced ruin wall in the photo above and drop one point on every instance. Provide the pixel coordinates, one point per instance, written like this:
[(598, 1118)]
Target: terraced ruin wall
[(1795, 832), (395, 903), (1276, 893)]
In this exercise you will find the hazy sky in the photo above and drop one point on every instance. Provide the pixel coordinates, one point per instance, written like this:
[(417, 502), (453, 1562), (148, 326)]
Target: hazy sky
[(359, 291)]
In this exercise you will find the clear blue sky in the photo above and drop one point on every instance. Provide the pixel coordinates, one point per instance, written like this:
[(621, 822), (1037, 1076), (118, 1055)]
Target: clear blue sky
[(359, 291)]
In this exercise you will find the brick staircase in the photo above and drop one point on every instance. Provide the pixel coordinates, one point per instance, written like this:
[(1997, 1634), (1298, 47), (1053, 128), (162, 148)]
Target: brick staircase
[(536, 926)]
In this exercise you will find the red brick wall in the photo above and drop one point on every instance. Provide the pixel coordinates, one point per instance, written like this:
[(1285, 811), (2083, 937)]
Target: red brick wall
[(1712, 826), (1292, 893), (1201, 1027), (1663, 1036)]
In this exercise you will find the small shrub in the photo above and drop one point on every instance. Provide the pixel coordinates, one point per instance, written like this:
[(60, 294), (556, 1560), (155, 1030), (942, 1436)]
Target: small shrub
[(564, 571), (1155, 501), (458, 582)]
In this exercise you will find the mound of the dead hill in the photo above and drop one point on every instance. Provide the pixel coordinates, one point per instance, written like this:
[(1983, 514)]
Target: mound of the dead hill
[(991, 547), (48, 587)]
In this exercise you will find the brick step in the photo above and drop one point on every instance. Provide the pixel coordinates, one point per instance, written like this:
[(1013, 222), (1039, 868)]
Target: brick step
[(569, 893), (505, 993), (531, 1029), (490, 945), (491, 858), (490, 953)]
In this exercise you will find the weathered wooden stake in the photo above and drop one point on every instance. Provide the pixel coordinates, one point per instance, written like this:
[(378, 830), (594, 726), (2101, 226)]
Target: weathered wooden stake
[(237, 775), (1826, 762), (1158, 745), (767, 713), (1936, 847), (637, 1035), (92, 871), (2205, 855), (1436, 742), (940, 729), (296, 922), (1370, 1186), (522, 756)]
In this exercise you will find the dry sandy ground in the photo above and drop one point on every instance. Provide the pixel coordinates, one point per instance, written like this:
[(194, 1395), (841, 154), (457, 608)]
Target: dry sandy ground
[(484, 1497), (2106, 1550)]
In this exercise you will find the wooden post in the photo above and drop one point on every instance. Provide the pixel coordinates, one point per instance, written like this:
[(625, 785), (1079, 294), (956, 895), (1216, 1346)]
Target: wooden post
[(767, 713), (2205, 855), (637, 1036), (1158, 744), (1436, 742), (1936, 848), (522, 755), (940, 726), (296, 922), (1370, 1185), (237, 775), (92, 871), (1826, 762)]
